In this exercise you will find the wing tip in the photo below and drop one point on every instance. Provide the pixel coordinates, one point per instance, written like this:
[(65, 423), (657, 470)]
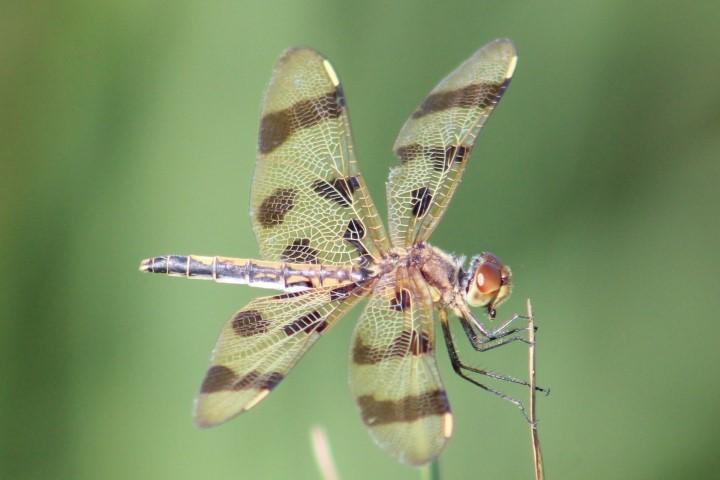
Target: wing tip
[(205, 418), (503, 43), (204, 423), (201, 417), (298, 50), (208, 413), (506, 47)]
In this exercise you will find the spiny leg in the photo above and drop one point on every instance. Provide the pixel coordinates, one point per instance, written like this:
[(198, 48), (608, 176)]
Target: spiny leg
[(490, 335), (486, 344), (482, 342), (501, 329), (486, 340), (458, 367)]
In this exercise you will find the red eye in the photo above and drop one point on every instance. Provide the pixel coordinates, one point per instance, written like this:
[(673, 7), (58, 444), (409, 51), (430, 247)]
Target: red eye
[(488, 278)]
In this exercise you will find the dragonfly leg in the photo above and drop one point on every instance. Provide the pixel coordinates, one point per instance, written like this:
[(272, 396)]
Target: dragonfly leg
[(470, 321), (499, 331), (460, 368), (483, 344)]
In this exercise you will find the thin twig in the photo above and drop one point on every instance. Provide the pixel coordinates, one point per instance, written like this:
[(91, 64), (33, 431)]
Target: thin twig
[(534, 438), (323, 455)]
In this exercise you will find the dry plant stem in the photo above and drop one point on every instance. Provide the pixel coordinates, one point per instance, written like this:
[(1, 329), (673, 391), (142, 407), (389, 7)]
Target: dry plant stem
[(534, 438), (323, 455)]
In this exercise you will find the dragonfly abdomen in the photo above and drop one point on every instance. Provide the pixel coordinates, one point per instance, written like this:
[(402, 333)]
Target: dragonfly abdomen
[(288, 277)]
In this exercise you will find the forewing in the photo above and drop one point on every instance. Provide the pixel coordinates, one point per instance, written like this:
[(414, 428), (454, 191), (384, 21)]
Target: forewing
[(307, 188), (393, 374), (434, 144), (261, 343)]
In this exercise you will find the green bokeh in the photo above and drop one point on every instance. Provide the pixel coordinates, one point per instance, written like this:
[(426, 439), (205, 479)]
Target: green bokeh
[(128, 130)]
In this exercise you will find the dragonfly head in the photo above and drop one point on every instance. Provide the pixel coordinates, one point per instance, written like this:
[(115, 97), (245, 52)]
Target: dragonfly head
[(488, 283)]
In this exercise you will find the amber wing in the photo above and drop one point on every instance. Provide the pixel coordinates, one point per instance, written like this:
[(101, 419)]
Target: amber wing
[(309, 201), (393, 374), (434, 144), (261, 343)]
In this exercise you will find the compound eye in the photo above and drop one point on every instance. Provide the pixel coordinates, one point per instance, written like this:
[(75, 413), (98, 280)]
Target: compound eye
[(488, 278)]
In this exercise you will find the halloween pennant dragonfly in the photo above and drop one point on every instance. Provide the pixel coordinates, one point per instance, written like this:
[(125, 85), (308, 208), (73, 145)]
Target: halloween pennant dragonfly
[(324, 245)]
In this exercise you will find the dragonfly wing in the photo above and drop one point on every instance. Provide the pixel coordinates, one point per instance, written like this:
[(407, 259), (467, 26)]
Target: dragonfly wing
[(308, 193), (261, 343), (393, 374), (434, 144)]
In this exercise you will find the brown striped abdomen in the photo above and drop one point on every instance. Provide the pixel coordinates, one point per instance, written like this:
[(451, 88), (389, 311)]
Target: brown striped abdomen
[(284, 276)]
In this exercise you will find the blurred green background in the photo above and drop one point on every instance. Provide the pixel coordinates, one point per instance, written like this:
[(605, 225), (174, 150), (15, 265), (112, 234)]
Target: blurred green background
[(128, 130)]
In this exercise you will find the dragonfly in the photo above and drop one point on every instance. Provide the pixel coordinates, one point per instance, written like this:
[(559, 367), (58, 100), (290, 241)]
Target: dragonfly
[(324, 246)]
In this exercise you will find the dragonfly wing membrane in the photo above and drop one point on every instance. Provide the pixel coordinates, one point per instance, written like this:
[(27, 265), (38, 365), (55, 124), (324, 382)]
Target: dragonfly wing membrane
[(261, 343), (308, 191), (434, 144), (393, 374)]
